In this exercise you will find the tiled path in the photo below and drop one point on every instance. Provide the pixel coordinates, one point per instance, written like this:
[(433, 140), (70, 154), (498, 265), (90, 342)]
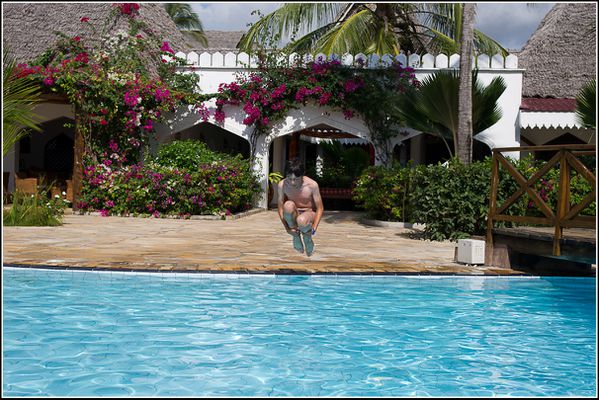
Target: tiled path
[(254, 243)]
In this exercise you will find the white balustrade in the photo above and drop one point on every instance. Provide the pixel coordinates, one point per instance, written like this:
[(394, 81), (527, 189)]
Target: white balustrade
[(426, 61)]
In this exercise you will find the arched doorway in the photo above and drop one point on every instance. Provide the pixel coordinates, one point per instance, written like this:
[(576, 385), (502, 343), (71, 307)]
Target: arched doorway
[(58, 157), (216, 139), (331, 156)]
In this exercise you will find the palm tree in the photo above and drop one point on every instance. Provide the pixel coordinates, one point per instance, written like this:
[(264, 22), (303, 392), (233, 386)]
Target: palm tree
[(586, 104), (367, 28), (433, 107), (187, 21), (19, 98), (464, 133)]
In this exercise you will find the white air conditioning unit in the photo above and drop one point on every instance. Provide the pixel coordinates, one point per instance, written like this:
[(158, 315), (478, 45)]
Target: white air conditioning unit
[(471, 251)]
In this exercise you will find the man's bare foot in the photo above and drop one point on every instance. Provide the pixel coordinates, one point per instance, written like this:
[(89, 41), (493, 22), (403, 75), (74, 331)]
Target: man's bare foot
[(309, 244), (297, 243)]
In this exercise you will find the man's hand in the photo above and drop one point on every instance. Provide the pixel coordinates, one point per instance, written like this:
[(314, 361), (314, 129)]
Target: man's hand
[(293, 231)]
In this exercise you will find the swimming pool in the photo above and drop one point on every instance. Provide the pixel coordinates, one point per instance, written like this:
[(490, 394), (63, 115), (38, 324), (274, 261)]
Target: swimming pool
[(71, 333)]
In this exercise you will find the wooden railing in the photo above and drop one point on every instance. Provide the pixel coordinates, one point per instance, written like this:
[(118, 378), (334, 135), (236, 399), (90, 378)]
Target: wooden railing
[(566, 215)]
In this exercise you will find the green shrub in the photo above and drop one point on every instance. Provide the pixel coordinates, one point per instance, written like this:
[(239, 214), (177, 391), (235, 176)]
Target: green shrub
[(34, 210), (382, 192), (187, 155), (452, 200), (196, 181)]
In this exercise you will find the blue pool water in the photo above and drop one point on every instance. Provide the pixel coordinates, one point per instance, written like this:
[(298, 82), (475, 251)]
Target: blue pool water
[(72, 333)]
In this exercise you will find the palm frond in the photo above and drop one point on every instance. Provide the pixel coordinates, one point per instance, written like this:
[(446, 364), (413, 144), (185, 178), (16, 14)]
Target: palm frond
[(433, 108), (586, 105), (306, 43), (353, 35), (441, 43), (289, 18), (187, 20), (485, 109), (19, 99), (483, 44)]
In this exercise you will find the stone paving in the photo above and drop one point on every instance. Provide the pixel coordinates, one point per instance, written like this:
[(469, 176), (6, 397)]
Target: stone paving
[(256, 243)]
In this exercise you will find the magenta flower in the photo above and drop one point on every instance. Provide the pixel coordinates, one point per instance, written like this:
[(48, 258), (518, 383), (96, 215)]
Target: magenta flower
[(82, 57), (219, 116), (166, 47), (129, 8), (104, 213), (84, 19), (113, 146), (49, 81), (131, 98), (324, 99), (148, 126)]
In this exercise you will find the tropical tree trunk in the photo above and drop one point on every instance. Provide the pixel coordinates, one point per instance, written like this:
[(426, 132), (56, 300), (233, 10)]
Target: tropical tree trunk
[(79, 148), (463, 146)]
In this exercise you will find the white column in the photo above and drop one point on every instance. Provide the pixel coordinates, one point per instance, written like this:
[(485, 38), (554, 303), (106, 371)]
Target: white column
[(279, 155), (319, 160), (260, 168)]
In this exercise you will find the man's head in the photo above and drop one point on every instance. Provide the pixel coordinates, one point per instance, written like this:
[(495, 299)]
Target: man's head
[(295, 170), (295, 167)]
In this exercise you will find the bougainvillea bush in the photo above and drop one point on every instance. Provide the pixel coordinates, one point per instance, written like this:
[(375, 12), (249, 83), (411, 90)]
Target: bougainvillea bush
[(267, 94), (217, 188), (119, 82)]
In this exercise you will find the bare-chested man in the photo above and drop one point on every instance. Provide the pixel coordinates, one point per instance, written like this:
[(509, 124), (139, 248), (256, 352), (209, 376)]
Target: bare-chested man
[(300, 206)]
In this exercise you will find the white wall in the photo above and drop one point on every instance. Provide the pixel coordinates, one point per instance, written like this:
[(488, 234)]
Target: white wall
[(221, 68)]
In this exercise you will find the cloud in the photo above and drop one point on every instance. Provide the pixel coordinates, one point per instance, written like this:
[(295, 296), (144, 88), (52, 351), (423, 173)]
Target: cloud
[(511, 24), (230, 16)]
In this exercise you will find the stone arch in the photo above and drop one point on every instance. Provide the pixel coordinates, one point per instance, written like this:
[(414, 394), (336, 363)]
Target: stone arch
[(295, 120)]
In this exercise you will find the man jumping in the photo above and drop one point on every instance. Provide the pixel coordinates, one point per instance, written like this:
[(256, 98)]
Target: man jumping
[(300, 206)]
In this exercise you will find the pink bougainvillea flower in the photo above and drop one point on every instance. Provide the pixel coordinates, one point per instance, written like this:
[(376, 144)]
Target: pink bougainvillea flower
[(82, 57), (129, 9), (77, 38), (219, 116), (324, 99), (103, 122), (84, 19), (49, 81), (166, 47)]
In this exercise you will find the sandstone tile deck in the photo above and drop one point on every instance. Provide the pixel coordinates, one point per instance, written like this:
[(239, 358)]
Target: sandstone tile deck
[(256, 243)]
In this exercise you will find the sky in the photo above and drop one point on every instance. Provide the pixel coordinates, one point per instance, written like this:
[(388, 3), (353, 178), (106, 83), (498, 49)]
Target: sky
[(511, 24)]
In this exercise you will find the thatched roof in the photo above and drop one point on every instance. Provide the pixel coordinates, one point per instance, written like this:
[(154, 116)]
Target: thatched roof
[(28, 28), (223, 41), (560, 57)]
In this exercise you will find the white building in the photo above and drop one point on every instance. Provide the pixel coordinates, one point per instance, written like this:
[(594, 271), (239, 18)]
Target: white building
[(522, 121)]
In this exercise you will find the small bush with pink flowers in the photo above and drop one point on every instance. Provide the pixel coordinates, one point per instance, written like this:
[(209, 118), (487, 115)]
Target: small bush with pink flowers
[(222, 186)]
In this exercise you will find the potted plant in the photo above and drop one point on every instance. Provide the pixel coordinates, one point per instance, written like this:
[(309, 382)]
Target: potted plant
[(273, 179)]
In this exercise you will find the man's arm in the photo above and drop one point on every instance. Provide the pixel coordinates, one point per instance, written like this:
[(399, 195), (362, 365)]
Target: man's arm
[(319, 206)]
